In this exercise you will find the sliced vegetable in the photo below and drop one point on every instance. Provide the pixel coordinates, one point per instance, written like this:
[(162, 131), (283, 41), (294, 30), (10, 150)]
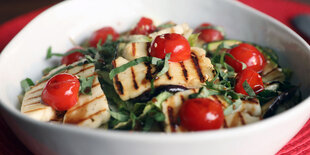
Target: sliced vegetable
[(248, 81)]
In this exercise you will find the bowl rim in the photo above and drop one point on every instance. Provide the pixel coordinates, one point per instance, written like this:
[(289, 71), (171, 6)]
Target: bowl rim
[(158, 136)]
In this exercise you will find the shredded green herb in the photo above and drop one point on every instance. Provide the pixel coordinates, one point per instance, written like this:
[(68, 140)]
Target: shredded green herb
[(192, 39), (248, 89), (26, 84), (86, 85)]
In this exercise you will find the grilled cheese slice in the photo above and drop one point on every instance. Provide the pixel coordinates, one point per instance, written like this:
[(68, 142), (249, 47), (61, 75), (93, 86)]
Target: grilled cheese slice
[(90, 110), (248, 112), (191, 73)]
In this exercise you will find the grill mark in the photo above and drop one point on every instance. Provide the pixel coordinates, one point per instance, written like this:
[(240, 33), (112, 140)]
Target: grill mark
[(26, 105), (168, 75), (184, 70), (148, 74), (83, 69), (94, 74), (32, 97), (197, 67), (36, 91), (241, 118), (133, 49), (218, 100), (118, 85), (86, 118), (252, 101), (182, 98), (85, 104), (171, 118), (225, 124), (95, 85), (274, 69), (134, 78), (34, 110), (148, 44)]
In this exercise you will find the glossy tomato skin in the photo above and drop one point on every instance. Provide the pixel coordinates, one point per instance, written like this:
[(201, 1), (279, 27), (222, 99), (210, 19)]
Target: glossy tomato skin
[(145, 26), (73, 57), (208, 35), (253, 78), (201, 114), (247, 54), (102, 34), (61, 91), (172, 43)]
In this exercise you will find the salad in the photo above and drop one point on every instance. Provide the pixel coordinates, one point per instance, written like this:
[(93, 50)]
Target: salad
[(166, 78)]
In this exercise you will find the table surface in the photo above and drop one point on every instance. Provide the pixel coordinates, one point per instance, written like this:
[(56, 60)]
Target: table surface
[(9, 9)]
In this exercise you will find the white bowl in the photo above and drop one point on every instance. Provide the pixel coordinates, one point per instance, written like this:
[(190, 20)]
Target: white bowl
[(24, 57)]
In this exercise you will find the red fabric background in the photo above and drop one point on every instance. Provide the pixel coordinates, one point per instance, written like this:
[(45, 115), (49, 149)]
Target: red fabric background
[(283, 10)]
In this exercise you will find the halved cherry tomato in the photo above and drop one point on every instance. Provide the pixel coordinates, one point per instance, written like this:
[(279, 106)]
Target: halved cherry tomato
[(145, 26), (73, 57), (61, 91), (208, 34), (172, 43), (247, 54), (254, 79), (102, 34), (201, 114)]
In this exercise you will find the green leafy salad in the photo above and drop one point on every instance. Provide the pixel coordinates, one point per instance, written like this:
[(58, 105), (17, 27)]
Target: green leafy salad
[(160, 78)]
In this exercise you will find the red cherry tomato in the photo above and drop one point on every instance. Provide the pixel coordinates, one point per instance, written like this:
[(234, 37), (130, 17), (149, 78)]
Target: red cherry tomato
[(208, 35), (145, 26), (247, 54), (102, 34), (172, 43), (254, 79), (73, 57), (61, 91), (201, 114)]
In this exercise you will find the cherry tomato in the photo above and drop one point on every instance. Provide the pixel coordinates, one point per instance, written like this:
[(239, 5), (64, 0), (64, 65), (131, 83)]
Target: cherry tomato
[(208, 34), (61, 91), (73, 57), (145, 26), (172, 43), (102, 34), (254, 79), (247, 54), (201, 114)]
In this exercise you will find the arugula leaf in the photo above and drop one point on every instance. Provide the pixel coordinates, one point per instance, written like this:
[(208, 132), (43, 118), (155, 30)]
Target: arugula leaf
[(192, 39), (119, 116), (86, 85), (26, 84), (248, 89)]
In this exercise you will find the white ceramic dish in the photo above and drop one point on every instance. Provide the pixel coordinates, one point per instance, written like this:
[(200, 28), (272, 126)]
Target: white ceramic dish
[(24, 57)]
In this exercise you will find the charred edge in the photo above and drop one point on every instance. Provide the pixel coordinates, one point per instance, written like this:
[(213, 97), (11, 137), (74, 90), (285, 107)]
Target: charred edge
[(36, 91), (133, 49), (119, 85), (197, 67), (85, 104), (148, 72), (95, 85), (241, 118), (184, 70), (172, 30), (94, 74), (274, 69), (168, 75), (86, 118), (114, 63), (171, 118), (34, 110), (134, 78)]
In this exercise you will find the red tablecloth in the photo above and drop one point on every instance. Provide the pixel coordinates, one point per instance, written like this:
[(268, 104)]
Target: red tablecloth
[(283, 10)]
